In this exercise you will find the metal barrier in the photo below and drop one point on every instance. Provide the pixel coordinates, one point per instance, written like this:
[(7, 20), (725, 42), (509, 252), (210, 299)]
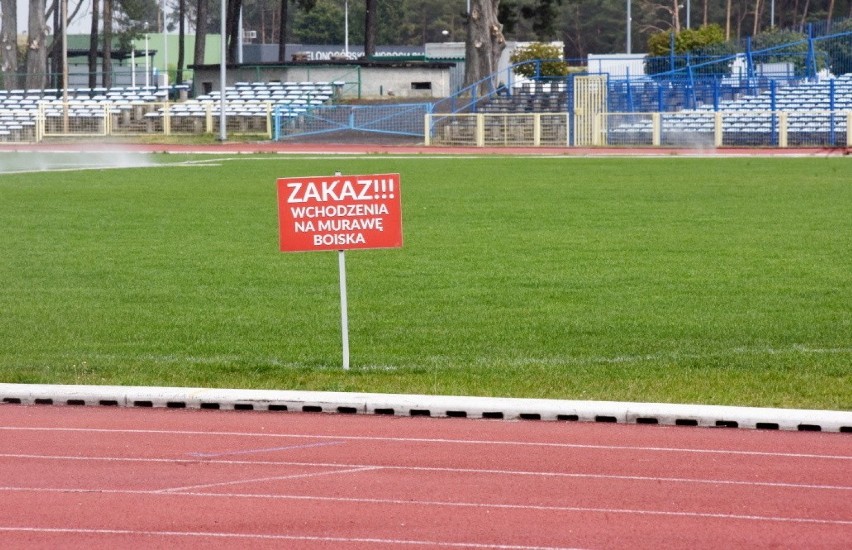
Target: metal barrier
[(723, 129), (503, 129), (695, 129), (103, 119), (404, 119)]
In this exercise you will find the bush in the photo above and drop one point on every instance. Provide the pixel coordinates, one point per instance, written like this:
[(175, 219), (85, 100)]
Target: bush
[(550, 57), (839, 49), (702, 45)]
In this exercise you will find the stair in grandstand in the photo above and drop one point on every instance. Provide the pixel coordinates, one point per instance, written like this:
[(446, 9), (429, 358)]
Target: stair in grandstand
[(527, 97)]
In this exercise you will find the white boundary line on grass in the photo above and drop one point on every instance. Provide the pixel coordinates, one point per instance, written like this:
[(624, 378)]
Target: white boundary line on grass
[(431, 405)]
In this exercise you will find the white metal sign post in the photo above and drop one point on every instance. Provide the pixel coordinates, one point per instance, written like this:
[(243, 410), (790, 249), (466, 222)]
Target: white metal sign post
[(344, 309), (340, 213)]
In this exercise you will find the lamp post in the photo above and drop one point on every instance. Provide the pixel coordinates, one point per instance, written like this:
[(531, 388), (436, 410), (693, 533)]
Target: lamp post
[(147, 60), (346, 27), (223, 134), (132, 65), (64, 24), (165, 46), (688, 13), (629, 29)]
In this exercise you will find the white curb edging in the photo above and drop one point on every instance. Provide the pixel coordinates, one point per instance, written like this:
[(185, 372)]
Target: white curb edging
[(431, 405)]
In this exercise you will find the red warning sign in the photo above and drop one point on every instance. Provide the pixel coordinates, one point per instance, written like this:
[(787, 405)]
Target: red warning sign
[(339, 212)]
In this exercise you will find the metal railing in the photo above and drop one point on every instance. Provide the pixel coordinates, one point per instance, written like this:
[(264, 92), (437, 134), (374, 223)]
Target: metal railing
[(107, 119), (695, 129)]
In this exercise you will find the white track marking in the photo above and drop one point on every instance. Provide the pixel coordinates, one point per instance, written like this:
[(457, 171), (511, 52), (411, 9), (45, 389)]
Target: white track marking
[(570, 475), (273, 478), (729, 452), (262, 536), (441, 503)]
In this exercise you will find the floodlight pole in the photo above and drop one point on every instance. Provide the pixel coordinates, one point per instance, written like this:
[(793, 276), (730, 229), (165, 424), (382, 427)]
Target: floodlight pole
[(344, 306), (64, 23), (688, 14), (165, 48), (223, 134), (346, 27), (629, 28)]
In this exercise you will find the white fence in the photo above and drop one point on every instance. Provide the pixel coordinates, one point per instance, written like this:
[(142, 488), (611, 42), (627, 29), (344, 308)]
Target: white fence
[(679, 129)]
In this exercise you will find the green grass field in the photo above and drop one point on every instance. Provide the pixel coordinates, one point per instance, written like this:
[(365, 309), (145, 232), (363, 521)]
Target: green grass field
[(719, 281)]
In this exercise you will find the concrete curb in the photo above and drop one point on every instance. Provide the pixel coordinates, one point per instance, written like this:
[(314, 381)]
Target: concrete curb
[(431, 405)]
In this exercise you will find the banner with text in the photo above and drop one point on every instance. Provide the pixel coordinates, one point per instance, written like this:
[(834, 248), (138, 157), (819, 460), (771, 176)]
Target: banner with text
[(339, 212)]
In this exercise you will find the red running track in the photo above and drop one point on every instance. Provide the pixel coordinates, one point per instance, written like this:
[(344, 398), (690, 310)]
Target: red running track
[(100, 476)]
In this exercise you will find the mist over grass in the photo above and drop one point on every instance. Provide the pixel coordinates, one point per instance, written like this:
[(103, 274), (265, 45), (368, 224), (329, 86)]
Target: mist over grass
[(96, 158), (720, 281)]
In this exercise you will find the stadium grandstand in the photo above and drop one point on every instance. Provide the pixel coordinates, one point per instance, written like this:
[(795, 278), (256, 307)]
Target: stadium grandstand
[(798, 94)]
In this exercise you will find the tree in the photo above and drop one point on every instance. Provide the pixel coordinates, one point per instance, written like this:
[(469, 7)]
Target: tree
[(232, 28), (485, 43), (795, 52), (181, 41), (372, 8), (9, 43), (322, 24), (201, 31), (36, 47), (93, 45), (706, 41), (839, 50), (106, 78), (543, 15), (588, 26), (283, 20), (282, 31)]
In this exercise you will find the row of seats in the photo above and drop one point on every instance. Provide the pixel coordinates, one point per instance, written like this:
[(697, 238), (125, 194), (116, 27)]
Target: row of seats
[(135, 109), (805, 105), (256, 99), (528, 97)]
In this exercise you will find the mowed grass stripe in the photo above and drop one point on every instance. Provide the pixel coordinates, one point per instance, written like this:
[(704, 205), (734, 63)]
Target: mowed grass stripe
[(719, 281)]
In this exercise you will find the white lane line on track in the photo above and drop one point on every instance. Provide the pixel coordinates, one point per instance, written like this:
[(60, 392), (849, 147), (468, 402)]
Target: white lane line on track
[(278, 463), (272, 478), (278, 537), (431, 440), (266, 450), (450, 504)]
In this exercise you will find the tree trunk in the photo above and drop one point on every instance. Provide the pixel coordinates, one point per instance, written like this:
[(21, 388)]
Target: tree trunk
[(756, 18), (181, 41), (370, 20), (804, 16), (232, 28), (830, 13), (106, 80), (485, 43), (36, 50), (200, 31), (93, 45), (676, 16), (728, 20), (282, 31), (9, 43)]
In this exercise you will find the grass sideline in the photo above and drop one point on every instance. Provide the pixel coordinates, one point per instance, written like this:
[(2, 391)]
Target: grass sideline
[(705, 280)]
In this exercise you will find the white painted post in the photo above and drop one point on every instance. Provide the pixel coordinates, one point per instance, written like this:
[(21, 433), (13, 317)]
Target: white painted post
[(344, 305), (849, 129)]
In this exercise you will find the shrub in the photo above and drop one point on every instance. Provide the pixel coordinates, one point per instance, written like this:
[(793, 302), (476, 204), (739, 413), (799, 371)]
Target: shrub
[(706, 43), (549, 55)]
